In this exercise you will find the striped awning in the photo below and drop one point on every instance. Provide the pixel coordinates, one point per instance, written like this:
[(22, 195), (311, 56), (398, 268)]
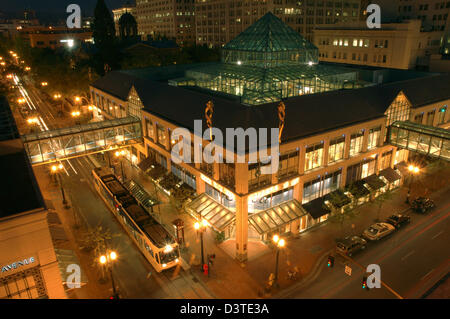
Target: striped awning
[(217, 215), (275, 217)]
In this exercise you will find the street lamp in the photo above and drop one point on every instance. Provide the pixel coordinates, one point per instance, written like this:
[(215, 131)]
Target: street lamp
[(44, 83), (201, 228), (413, 170), (56, 169), (107, 260), (119, 155), (279, 243)]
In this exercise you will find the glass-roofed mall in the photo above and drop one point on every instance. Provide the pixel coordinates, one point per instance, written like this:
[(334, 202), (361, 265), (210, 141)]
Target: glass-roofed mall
[(266, 63), (335, 148)]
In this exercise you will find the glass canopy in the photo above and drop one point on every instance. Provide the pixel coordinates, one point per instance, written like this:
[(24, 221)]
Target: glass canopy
[(268, 62)]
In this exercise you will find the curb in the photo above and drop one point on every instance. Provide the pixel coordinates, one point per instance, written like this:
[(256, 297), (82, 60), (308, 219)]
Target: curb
[(306, 280)]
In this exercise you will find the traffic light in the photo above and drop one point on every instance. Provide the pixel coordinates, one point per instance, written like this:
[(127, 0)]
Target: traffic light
[(330, 261), (364, 282)]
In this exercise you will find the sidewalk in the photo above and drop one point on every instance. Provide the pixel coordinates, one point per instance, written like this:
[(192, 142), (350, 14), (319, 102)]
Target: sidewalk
[(52, 195), (230, 279)]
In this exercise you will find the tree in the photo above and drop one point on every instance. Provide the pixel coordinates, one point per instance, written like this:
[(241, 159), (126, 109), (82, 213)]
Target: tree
[(380, 200), (103, 31), (108, 56)]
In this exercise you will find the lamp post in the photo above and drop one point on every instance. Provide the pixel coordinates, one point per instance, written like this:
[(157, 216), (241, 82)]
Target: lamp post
[(119, 155), (56, 169), (107, 260), (279, 243), (413, 170), (201, 228)]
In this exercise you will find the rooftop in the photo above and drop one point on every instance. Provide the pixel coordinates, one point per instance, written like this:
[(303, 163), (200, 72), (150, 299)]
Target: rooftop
[(19, 191), (305, 114)]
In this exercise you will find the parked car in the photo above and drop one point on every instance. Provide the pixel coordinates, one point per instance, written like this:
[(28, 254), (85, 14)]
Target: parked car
[(422, 205), (378, 231), (398, 220), (349, 245)]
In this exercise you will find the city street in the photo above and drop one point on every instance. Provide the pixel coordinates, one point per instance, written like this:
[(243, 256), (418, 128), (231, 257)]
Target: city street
[(418, 248), (134, 276), (412, 260)]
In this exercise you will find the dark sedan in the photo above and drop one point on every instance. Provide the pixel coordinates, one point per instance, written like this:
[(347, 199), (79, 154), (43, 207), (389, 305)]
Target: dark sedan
[(422, 205), (398, 220)]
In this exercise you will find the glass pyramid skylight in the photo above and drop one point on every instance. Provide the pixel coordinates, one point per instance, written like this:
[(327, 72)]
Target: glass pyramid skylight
[(269, 42)]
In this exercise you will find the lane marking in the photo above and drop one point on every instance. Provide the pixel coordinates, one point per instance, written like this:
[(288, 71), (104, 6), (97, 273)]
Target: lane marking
[(437, 234), (406, 256), (427, 274), (68, 161)]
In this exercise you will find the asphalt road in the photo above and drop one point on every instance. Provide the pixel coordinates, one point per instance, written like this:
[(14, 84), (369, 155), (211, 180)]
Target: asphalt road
[(134, 275), (411, 260)]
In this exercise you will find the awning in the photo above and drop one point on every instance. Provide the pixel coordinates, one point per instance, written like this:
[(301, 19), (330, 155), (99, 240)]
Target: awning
[(374, 182), (271, 219), (67, 264), (337, 198), (390, 174), (317, 208), (219, 217), (358, 189)]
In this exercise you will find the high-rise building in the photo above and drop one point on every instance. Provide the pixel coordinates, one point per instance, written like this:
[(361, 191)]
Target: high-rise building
[(219, 21), (171, 19), (117, 13), (433, 14), (395, 45)]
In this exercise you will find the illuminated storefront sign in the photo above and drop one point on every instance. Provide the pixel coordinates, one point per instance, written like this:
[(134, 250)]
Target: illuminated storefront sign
[(18, 264)]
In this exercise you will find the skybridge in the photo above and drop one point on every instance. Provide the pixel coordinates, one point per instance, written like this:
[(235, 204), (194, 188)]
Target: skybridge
[(424, 139), (65, 143)]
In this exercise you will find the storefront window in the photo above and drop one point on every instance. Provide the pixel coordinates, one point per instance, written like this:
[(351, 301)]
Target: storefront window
[(265, 202), (150, 129), (220, 197), (386, 160), (441, 115), (27, 284), (162, 135), (356, 143), (288, 164), (184, 175), (321, 186), (360, 170), (314, 156), (226, 174), (336, 149), (430, 117), (374, 137), (255, 178)]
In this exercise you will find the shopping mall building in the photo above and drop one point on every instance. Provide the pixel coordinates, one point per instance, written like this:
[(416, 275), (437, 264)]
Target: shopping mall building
[(30, 267), (334, 150)]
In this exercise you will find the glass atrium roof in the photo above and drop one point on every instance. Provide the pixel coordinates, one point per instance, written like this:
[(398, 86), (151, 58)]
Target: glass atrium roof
[(268, 62)]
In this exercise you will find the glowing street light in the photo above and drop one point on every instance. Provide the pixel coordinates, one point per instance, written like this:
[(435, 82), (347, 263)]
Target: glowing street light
[(75, 113), (413, 170), (107, 260), (33, 120), (77, 99), (27, 68), (201, 228), (120, 155), (57, 96), (279, 243), (44, 83), (57, 169), (21, 101)]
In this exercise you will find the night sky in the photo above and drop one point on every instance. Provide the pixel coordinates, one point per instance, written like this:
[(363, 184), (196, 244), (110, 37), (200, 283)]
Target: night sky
[(55, 7)]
